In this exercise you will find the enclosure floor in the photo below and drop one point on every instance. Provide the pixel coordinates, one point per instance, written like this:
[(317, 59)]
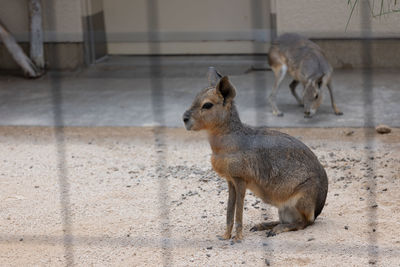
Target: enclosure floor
[(154, 91), (131, 196)]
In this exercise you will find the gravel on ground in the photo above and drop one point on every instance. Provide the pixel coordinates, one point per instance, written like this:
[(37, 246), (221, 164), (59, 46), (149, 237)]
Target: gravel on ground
[(132, 196)]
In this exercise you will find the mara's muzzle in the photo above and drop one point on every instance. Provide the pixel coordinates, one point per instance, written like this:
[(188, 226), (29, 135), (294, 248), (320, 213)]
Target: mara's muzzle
[(186, 120)]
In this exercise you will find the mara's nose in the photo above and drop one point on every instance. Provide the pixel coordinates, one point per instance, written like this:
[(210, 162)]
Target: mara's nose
[(186, 116), (307, 114)]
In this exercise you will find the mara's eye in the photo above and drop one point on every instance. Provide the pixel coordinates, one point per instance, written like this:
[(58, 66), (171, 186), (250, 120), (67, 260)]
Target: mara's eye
[(207, 105), (316, 96)]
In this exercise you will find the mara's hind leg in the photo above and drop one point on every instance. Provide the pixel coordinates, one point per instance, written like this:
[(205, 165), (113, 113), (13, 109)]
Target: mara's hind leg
[(279, 70), (335, 109), (293, 86), (293, 218), (264, 226)]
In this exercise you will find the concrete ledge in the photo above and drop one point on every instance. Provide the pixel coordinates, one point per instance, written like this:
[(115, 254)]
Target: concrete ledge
[(341, 53), (58, 56), (349, 53)]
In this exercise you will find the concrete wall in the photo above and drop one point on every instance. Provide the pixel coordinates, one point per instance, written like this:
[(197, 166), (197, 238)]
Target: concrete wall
[(80, 31), (94, 30), (187, 26), (58, 56), (15, 15), (325, 22), (62, 20), (355, 53), (328, 18), (63, 32)]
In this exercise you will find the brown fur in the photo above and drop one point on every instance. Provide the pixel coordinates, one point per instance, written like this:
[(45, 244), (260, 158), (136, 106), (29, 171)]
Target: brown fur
[(278, 168), (307, 64)]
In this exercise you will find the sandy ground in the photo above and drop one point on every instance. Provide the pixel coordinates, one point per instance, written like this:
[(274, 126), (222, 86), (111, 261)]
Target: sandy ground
[(145, 197)]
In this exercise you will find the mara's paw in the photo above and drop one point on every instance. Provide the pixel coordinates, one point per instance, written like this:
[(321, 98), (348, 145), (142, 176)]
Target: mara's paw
[(277, 113), (238, 238), (263, 226), (281, 228), (254, 228), (271, 233), (225, 236)]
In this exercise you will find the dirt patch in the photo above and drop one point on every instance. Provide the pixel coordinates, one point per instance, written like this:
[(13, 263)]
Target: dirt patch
[(139, 196)]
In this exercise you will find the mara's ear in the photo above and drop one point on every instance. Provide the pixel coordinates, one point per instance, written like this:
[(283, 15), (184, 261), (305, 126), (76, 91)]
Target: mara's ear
[(213, 76), (226, 89)]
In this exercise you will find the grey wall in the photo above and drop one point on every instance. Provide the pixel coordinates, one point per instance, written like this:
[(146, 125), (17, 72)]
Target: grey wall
[(187, 26), (63, 32)]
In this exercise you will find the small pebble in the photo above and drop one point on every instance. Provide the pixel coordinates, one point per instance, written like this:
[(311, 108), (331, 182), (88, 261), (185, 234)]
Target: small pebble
[(267, 262), (346, 227), (383, 129)]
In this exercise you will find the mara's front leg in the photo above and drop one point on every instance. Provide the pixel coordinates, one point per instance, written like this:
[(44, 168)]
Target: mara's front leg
[(230, 211), (240, 186)]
